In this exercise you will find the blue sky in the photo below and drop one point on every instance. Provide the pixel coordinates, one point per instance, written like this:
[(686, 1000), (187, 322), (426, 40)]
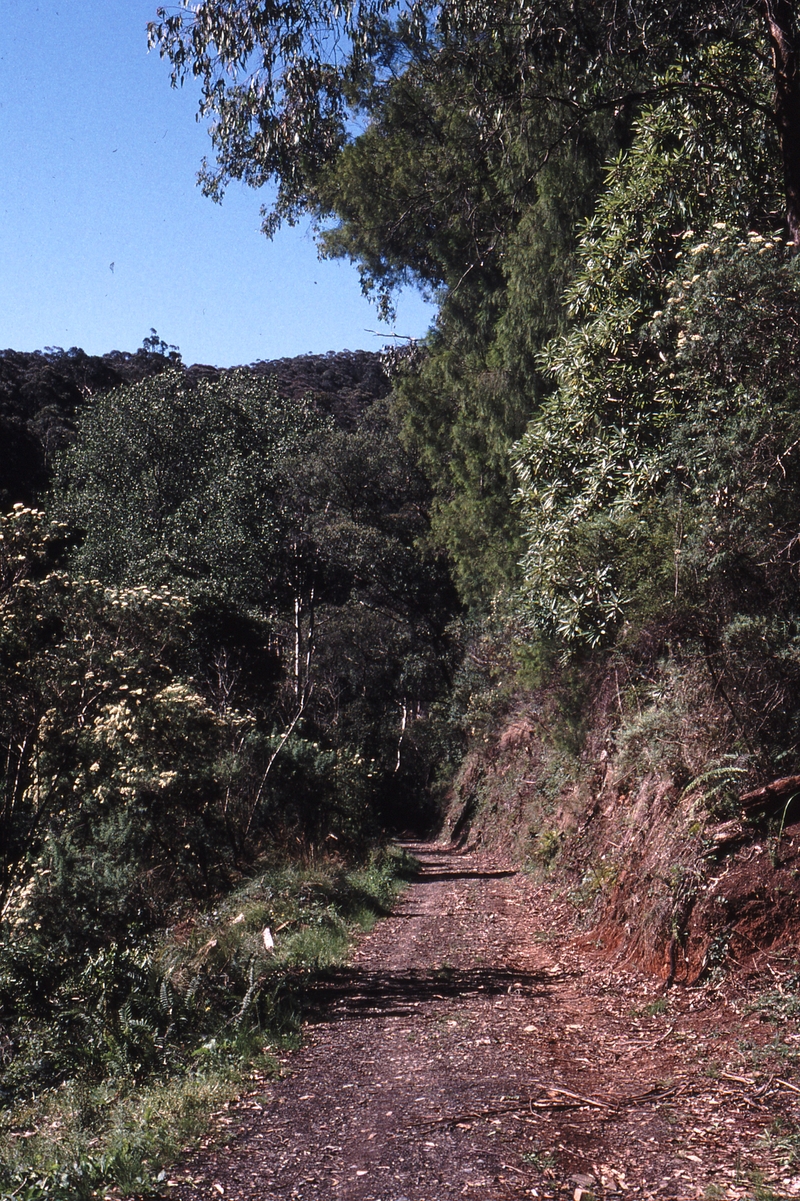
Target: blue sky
[(99, 162)]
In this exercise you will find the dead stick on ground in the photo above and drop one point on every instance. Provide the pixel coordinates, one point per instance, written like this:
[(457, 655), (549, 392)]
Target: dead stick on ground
[(652, 1094), (454, 1119), (640, 1046), (564, 1092), (542, 1103)]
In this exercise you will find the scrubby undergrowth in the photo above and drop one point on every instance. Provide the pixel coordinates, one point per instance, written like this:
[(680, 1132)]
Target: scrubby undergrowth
[(633, 792), (152, 1039)]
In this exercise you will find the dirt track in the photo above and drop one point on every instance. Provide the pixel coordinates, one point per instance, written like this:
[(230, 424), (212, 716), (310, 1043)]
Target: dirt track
[(478, 1047)]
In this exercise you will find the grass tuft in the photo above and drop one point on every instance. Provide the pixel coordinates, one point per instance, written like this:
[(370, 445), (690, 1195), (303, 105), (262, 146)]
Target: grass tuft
[(194, 1020)]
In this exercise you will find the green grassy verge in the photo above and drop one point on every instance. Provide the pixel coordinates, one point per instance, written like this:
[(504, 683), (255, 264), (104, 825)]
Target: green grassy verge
[(106, 1083)]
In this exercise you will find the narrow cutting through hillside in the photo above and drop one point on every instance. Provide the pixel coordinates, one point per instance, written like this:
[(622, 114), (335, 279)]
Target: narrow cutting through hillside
[(478, 1046)]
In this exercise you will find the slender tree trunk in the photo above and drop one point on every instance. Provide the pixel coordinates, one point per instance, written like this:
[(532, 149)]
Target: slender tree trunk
[(403, 724), (781, 22), (303, 641), (298, 631), (310, 638)]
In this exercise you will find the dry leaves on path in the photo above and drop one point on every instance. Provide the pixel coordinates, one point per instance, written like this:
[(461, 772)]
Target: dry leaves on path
[(478, 1047)]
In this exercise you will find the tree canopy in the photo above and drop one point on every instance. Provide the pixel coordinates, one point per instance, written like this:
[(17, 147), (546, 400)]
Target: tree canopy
[(283, 84), (592, 455), (457, 146), (179, 482)]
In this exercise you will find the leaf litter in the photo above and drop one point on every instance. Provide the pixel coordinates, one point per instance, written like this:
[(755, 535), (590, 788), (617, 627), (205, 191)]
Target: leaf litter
[(480, 1045)]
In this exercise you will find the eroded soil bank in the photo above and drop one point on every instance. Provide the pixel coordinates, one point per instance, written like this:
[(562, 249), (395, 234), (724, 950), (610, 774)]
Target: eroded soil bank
[(479, 1046)]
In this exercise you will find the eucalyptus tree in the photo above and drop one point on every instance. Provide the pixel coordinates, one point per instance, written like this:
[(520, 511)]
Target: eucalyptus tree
[(179, 482), (454, 146), (281, 83)]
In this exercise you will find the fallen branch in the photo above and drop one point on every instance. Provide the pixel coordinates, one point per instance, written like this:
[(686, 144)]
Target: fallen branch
[(564, 1092), (770, 794), (572, 1101)]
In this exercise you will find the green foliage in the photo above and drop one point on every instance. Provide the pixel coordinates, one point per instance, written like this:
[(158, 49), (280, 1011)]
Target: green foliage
[(454, 146), (283, 88), (466, 399), (298, 544), (120, 801), (547, 846), (732, 485), (154, 744), (780, 1003), (120, 1061), (104, 745), (183, 484), (451, 146), (141, 1127), (670, 719), (592, 467), (717, 786), (596, 879), (41, 393)]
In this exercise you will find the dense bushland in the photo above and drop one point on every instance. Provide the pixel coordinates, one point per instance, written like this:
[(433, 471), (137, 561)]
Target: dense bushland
[(251, 624), (649, 679), (221, 647), (115, 1058)]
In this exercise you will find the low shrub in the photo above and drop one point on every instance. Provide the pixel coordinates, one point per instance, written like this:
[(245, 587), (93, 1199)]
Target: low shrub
[(119, 1059)]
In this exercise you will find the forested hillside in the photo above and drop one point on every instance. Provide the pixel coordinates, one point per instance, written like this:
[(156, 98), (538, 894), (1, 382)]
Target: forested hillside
[(42, 393), (535, 577), (224, 650)]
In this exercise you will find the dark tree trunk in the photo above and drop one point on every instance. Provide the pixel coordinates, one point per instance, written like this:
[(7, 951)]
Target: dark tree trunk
[(782, 24)]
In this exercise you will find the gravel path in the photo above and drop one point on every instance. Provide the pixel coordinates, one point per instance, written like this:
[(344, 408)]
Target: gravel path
[(478, 1047)]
